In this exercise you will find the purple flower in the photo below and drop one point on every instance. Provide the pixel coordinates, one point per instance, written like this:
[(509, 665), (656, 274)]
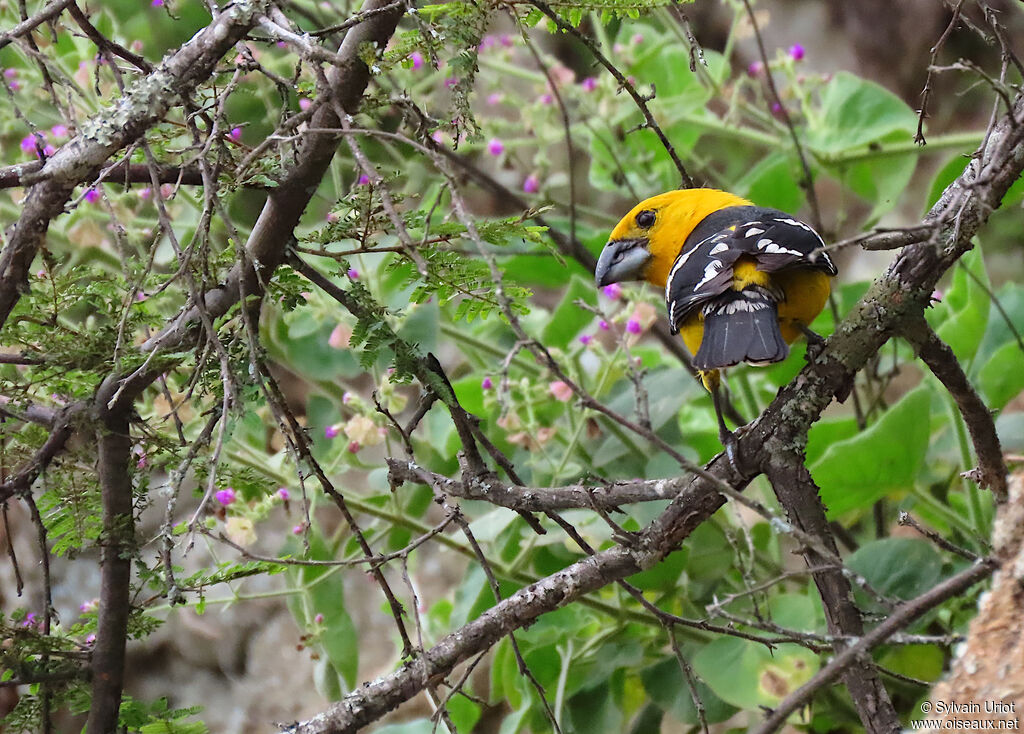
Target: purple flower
[(157, 3), (613, 291), (417, 60), (633, 326), (92, 196), (546, 99), (304, 103), (585, 339), (487, 384), (10, 73), (437, 136), (495, 98), (450, 82), (506, 40), (49, 150), (319, 619), (225, 496), (363, 180), (589, 84), (603, 325), (755, 69), (28, 143), (145, 193), (495, 147), (531, 184), (283, 494), (638, 38), (235, 134), (352, 274), (353, 447), (331, 432), (796, 52), (346, 397), (298, 529)]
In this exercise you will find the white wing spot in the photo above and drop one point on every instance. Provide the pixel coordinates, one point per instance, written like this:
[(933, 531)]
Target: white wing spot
[(763, 243), (772, 248), (713, 268), (795, 223), (721, 247), (753, 232)]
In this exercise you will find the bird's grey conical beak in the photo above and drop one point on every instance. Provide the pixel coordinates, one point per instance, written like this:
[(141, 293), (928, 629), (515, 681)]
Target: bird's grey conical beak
[(622, 260)]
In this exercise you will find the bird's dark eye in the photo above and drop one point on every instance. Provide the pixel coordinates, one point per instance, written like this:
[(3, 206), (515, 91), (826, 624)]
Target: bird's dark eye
[(645, 219)]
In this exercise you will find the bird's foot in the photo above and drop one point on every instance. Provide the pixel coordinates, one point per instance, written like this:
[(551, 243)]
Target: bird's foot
[(815, 344), (731, 443)]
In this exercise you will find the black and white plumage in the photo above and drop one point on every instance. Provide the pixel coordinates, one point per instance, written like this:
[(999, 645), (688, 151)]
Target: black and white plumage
[(740, 312)]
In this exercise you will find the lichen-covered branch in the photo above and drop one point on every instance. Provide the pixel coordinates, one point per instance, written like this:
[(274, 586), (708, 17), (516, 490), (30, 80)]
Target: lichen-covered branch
[(143, 105), (935, 353)]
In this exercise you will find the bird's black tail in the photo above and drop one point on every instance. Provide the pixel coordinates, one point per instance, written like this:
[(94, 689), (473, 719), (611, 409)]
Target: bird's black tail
[(741, 326)]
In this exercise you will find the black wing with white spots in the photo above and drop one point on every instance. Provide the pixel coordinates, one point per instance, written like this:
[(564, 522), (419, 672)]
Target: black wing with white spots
[(773, 239)]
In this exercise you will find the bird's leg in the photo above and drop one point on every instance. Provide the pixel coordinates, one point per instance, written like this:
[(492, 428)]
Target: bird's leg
[(815, 341), (729, 440)]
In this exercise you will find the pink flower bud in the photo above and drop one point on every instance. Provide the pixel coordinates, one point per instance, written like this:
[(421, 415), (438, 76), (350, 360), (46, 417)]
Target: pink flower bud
[(796, 52), (353, 274), (613, 291), (755, 69), (495, 147), (603, 325), (92, 196), (331, 432), (235, 134), (487, 384), (633, 326), (585, 339), (283, 494), (560, 390), (417, 60), (304, 103), (353, 447), (225, 496), (589, 84), (531, 184), (319, 619), (363, 180)]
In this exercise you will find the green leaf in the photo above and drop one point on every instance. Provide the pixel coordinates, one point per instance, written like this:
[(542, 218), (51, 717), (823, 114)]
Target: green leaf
[(774, 182), (858, 112), (1002, 377), (961, 318), (898, 567), (747, 674), (924, 662), (666, 686), (568, 319), (855, 473)]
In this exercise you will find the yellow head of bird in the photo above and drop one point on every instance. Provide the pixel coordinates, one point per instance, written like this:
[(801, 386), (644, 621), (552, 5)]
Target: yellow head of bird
[(646, 242)]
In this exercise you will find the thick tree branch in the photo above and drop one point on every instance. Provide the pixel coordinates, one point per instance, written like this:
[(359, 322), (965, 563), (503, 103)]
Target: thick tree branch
[(935, 353), (798, 494), (122, 173), (143, 105), (540, 499), (108, 662)]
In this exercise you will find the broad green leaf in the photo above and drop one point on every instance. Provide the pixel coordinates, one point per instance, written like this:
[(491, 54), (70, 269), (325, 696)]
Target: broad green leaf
[(774, 182), (1002, 377), (568, 319), (898, 567), (667, 687), (747, 674), (961, 318), (858, 112), (879, 180), (886, 457), (924, 662)]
